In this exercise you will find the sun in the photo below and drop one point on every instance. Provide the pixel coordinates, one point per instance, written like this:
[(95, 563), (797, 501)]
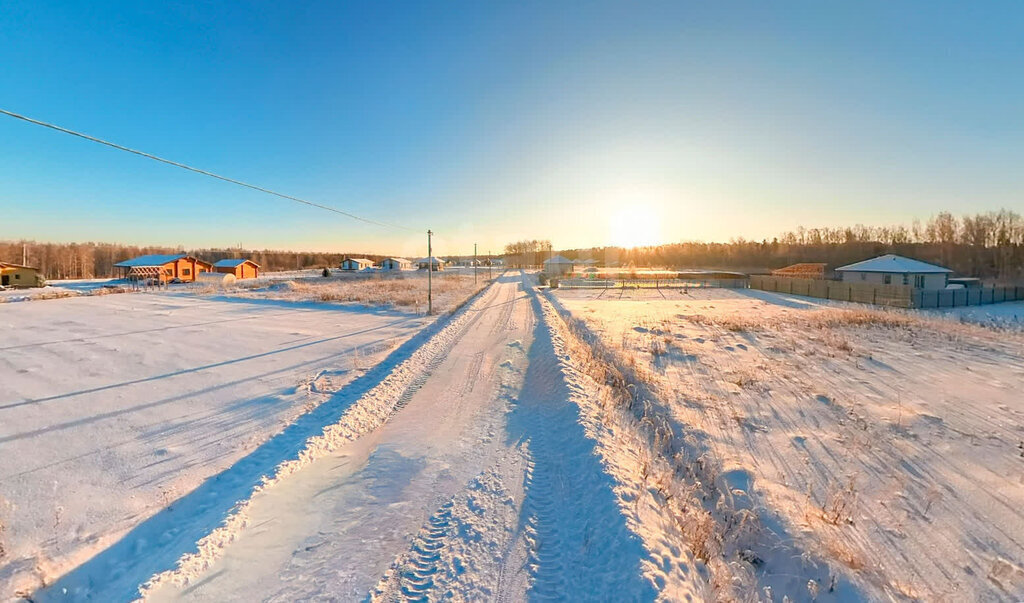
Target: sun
[(634, 226)]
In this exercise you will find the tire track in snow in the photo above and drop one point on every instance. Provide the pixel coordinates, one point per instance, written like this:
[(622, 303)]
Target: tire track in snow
[(418, 578), (578, 543), (459, 551), (206, 520)]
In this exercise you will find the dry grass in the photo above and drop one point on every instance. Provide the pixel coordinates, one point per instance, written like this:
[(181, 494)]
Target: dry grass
[(832, 321), (685, 478), (408, 292)]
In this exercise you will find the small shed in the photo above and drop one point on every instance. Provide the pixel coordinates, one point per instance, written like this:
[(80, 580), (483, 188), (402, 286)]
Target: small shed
[(16, 275), (558, 266), (241, 268), (395, 264), (356, 263), (892, 269), (434, 263), (179, 266)]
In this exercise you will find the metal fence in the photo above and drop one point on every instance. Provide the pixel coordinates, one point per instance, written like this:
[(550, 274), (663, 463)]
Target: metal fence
[(899, 296), (976, 296)]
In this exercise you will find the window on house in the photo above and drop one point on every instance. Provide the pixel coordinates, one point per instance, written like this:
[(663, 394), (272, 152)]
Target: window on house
[(906, 279), (169, 271), (17, 276), (863, 276), (919, 281), (888, 279), (186, 272)]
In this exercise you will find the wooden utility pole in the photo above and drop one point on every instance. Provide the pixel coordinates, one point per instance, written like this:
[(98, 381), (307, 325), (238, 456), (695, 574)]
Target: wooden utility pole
[(474, 264), (430, 269)]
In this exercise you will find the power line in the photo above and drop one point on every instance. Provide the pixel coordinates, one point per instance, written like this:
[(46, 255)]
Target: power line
[(199, 171)]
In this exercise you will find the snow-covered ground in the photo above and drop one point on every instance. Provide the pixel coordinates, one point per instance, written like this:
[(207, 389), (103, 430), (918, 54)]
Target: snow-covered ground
[(481, 486), (406, 289), (887, 447), (1006, 315), (672, 445), (112, 407)]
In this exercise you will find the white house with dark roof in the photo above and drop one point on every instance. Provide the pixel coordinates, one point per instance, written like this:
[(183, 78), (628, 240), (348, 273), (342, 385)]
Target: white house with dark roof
[(892, 269), (395, 264), (356, 263), (434, 262), (559, 265)]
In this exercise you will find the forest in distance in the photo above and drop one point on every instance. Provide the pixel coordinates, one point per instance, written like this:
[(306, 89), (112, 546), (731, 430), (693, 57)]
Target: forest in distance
[(988, 245)]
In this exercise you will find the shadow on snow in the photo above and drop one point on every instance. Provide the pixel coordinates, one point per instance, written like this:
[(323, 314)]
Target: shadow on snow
[(156, 545), (579, 545)]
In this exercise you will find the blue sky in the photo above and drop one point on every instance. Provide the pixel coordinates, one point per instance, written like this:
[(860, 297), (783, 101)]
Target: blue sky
[(491, 121)]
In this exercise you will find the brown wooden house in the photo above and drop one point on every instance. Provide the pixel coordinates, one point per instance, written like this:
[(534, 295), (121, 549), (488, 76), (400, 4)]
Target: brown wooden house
[(165, 268), (241, 268)]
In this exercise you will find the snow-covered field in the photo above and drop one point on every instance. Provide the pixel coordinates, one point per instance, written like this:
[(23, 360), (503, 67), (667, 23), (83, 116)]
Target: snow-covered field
[(282, 441), (405, 289), (1007, 315), (883, 448), (112, 407), (402, 289)]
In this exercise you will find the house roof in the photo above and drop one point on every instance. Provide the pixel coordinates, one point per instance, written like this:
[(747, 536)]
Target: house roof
[(10, 265), (894, 263), (433, 259), (559, 260), (150, 260), (399, 260), (232, 263), (803, 268), (358, 260)]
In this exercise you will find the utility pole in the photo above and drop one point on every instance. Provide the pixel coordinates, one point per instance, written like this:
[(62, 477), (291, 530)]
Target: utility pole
[(490, 262), (430, 269), (474, 264)]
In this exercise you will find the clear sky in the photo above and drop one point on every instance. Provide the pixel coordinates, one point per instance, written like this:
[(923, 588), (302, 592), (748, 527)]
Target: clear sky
[(586, 123)]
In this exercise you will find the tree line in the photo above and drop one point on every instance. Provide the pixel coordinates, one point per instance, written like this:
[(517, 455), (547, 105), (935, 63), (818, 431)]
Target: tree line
[(521, 254), (988, 245), (96, 260)]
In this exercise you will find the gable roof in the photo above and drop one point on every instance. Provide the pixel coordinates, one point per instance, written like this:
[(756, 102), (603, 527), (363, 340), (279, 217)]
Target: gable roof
[(434, 260), (559, 260), (891, 262), (358, 260), (232, 263), (399, 260), (10, 265), (150, 260)]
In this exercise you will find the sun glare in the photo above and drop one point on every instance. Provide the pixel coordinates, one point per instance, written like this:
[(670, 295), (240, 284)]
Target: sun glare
[(635, 226)]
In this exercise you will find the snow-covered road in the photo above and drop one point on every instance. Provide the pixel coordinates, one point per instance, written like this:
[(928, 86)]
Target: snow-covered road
[(483, 486)]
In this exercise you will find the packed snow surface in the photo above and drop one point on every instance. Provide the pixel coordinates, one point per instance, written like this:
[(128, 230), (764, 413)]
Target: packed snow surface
[(482, 486)]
